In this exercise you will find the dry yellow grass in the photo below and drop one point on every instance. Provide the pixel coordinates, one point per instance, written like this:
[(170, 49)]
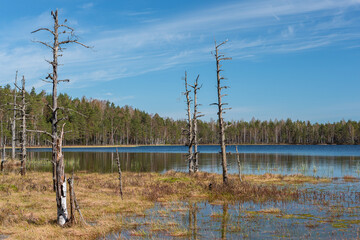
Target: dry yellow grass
[(28, 207)]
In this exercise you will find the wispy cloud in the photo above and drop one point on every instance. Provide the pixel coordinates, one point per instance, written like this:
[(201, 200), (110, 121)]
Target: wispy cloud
[(139, 13), (87, 5)]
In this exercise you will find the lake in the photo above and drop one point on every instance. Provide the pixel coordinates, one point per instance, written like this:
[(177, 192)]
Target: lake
[(314, 160), (329, 210)]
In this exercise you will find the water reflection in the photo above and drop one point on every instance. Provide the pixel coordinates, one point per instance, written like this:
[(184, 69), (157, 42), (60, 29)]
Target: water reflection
[(252, 163), (335, 216)]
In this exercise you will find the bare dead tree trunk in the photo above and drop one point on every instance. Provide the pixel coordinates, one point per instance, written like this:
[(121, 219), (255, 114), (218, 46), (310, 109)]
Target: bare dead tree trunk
[(74, 206), (220, 57), (3, 157), (189, 130), (238, 162), (59, 181), (196, 115), (3, 146), (72, 219), (120, 174), (13, 122), (23, 128)]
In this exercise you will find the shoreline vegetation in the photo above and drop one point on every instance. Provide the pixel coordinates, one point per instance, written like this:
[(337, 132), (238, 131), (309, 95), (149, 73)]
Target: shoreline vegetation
[(27, 202), (154, 145), (104, 123)]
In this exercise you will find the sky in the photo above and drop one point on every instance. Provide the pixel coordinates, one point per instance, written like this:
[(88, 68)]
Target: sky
[(297, 59)]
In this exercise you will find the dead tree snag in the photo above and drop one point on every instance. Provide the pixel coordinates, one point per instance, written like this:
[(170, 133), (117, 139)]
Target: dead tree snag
[(196, 115), (221, 57), (59, 181), (189, 131)]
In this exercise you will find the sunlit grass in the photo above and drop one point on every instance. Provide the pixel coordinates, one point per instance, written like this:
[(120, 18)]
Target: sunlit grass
[(28, 206)]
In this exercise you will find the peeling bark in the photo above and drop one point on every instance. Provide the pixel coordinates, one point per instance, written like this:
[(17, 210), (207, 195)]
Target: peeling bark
[(62, 214)]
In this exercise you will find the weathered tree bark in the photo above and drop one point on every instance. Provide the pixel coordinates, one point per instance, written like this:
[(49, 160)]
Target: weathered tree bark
[(196, 115), (238, 162), (120, 174), (72, 219), (189, 130), (74, 206), (13, 122), (220, 57), (59, 181)]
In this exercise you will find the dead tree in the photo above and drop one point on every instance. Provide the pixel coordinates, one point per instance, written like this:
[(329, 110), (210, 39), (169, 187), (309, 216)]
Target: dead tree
[(56, 47), (189, 131), (238, 162), (13, 122), (60, 181), (23, 128), (72, 219), (3, 146), (3, 157), (73, 203), (21, 107), (196, 115), (221, 110), (120, 174)]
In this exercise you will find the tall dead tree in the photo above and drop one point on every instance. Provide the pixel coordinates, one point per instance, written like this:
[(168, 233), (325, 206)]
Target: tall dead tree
[(59, 181), (22, 109), (13, 122), (221, 110), (196, 115), (120, 174), (2, 146), (189, 131)]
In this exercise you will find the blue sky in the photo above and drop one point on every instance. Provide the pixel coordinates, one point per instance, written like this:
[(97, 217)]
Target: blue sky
[(297, 59)]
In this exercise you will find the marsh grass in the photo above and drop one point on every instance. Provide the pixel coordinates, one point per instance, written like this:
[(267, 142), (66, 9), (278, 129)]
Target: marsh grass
[(28, 207)]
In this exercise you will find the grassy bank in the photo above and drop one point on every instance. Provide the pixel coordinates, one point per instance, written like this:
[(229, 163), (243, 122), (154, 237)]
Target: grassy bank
[(28, 207)]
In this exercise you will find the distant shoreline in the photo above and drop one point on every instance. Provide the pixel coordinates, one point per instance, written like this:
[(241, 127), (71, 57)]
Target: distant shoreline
[(155, 145)]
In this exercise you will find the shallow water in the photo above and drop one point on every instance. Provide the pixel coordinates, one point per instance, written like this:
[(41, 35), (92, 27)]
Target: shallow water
[(331, 213), (323, 161)]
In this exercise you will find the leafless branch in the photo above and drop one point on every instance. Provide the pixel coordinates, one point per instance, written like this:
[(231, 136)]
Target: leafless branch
[(40, 131), (43, 29)]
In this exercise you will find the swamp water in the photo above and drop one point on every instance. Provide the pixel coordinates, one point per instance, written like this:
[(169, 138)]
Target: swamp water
[(329, 210)]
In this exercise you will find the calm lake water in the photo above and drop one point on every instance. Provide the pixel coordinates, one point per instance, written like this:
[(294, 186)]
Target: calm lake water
[(315, 160), (328, 211)]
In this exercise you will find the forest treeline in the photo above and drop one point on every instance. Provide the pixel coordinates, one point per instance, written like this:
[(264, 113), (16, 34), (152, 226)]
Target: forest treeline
[(99, 122)]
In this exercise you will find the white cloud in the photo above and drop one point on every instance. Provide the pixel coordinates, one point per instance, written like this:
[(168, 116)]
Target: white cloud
[(87, 5)]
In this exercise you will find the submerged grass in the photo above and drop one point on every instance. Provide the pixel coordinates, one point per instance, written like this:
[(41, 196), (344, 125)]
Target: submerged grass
[(28, 207)]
